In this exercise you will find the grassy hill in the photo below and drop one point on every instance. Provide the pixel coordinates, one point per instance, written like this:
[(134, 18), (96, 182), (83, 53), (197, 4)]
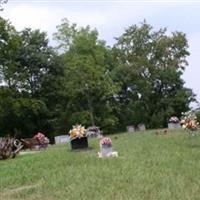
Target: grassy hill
[(149, 167)]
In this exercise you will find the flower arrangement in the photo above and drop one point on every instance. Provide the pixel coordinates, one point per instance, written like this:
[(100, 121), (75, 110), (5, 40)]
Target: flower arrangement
[(106, 148), (174, 120), (93, 131), (106, 142), (78, 131), (41, 138), (189, 121)]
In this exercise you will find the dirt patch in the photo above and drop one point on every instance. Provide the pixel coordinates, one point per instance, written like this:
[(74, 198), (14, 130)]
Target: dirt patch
[(28, 152), (8, 193)]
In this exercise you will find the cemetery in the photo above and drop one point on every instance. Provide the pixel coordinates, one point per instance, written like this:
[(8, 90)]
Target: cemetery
[(145, 161), (141, 161), (98, 104)]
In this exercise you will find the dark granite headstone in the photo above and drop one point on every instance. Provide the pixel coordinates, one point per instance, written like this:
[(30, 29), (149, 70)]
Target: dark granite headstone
[(79, 143)]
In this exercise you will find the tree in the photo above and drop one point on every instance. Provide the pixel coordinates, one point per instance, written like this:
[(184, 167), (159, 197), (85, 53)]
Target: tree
[(31, 74), (1, 3), (33, 61), (21, 116), (149, 65), (39, 75), (197, 112), (89, 87), (9, 45), (85, 81)]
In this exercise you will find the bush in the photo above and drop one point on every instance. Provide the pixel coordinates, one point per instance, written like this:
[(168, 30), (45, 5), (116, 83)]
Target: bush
[(198, 116)]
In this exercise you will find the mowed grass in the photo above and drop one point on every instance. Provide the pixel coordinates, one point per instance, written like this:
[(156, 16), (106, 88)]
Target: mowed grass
[(149, 167)]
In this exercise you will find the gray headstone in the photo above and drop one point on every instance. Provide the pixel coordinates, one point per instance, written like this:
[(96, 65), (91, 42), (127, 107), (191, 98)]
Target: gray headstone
[(174, 125), (130, 128), (106, 151), (62, 139), (141, 127)]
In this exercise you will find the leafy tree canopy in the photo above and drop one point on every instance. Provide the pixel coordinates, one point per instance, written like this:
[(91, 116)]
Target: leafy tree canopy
[(149, 65), (88, 82)]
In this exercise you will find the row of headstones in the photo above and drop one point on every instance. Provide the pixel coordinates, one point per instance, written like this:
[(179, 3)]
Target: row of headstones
[(132, 128), (62, 139), (92, 131), (141, 127)]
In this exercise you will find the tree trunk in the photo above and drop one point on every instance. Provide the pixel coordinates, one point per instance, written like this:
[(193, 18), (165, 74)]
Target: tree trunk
[(92, 119), (91, 111)]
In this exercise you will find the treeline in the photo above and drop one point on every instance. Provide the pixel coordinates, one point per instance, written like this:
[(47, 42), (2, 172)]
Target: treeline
[(82, 80)]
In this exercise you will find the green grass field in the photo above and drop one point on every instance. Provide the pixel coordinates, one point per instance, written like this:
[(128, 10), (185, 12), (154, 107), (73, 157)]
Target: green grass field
[(149, 167)]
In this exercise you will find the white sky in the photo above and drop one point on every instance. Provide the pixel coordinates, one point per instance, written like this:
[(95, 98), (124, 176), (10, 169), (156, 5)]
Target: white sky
[(111, 17)]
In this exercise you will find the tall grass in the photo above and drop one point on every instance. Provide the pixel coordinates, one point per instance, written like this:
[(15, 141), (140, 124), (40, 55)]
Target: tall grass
[(149, 167)]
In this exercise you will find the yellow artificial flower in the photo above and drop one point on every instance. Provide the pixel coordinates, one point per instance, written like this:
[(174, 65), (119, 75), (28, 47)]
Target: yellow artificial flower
[(77, 131)]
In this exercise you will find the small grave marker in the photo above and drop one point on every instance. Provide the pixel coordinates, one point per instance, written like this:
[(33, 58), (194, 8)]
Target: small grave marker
[(174, 125), (130, 128), (141, 127), (61, 139)]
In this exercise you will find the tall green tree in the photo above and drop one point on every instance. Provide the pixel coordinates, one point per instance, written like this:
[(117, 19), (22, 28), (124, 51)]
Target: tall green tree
[(20, 116), (9, 45), (34, 59), (89, 87), (31, 74), (40, 74), (149, 65), (1, 3)]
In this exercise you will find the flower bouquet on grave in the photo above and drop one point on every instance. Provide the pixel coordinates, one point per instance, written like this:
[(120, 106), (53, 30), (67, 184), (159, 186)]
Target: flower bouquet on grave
[(106, 148), (43, 141), (189, 122), (106, 142), (78, 131), (174, 120), (78, 137), (174, 123), (93, 131)]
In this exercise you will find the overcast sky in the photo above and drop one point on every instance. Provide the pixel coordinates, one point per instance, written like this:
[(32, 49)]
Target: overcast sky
[(111, 17)]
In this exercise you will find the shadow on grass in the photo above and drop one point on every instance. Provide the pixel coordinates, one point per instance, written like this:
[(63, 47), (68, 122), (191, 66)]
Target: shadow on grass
[(193, 145), (81, 150)]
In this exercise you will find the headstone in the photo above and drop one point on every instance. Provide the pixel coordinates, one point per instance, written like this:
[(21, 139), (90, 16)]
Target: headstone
[(130, 128), (174, 125), (62, 139), (106, 150), (79, 143), (141, 127)]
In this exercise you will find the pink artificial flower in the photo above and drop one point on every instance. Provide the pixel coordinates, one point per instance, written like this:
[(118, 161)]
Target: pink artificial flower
[(106, 141)]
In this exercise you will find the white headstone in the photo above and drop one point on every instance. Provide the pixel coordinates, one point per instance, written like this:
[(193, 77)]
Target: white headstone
[(107, 151), (174, 125), (62, 139), (130, 128), (141, 127)]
